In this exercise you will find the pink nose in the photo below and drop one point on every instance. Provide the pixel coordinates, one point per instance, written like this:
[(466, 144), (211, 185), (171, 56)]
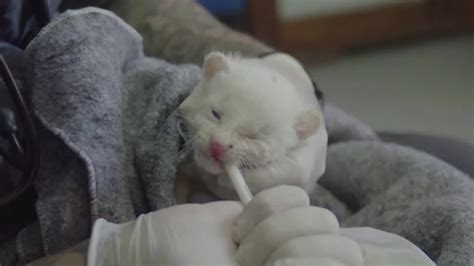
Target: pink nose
[(216, 150)]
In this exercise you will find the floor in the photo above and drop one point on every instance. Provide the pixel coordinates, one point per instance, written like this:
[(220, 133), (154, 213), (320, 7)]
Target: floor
[(425, 87)]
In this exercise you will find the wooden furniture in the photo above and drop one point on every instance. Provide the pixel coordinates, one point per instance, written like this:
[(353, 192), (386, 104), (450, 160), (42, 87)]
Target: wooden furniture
[(382, 24)]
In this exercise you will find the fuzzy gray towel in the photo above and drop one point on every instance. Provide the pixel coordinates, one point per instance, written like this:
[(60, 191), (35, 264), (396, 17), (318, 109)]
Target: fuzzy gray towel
[(406, 192), (108, 133), (110, 148), (102, 116)]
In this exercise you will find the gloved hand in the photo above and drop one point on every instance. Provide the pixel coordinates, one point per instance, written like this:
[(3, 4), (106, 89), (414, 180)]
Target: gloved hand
[(277, 227)]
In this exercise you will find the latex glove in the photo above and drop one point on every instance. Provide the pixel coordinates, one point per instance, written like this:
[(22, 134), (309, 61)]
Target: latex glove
[(189, 234), (279, 227)]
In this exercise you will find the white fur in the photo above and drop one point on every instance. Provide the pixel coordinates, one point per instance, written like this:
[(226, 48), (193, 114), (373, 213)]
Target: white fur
[(260, 103)]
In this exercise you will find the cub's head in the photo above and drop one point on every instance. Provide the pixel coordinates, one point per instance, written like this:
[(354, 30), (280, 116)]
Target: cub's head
[(244, 112)]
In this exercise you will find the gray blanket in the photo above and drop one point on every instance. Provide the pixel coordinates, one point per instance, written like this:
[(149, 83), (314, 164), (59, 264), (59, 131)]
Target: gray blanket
[(110, 148)]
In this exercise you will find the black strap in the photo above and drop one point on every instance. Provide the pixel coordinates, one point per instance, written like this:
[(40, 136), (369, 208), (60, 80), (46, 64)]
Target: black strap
[(25, 153)]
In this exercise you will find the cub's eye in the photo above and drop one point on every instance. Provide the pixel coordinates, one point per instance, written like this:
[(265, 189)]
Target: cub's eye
[(216, 114), (252, 136)]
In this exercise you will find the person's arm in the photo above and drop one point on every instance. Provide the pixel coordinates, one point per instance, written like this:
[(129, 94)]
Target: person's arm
[(75, 256)]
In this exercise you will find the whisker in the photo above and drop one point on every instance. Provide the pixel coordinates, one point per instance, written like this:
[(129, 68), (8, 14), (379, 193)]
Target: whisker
[(247, 163)]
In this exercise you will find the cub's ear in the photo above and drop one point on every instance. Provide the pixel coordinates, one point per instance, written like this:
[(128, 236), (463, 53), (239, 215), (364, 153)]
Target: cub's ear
[(214, 63), (307, 123)]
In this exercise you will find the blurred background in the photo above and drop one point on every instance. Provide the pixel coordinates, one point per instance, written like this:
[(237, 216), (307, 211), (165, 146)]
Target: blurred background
[(399, 65)]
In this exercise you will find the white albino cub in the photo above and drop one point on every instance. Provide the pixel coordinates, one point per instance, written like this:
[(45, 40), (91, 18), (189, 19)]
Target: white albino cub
[(260, 113)]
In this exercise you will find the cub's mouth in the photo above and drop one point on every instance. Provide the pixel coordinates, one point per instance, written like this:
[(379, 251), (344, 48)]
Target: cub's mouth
[(205, 161)]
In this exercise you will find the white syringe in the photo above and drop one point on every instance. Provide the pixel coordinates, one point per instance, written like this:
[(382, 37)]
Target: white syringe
[(238, 182)]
